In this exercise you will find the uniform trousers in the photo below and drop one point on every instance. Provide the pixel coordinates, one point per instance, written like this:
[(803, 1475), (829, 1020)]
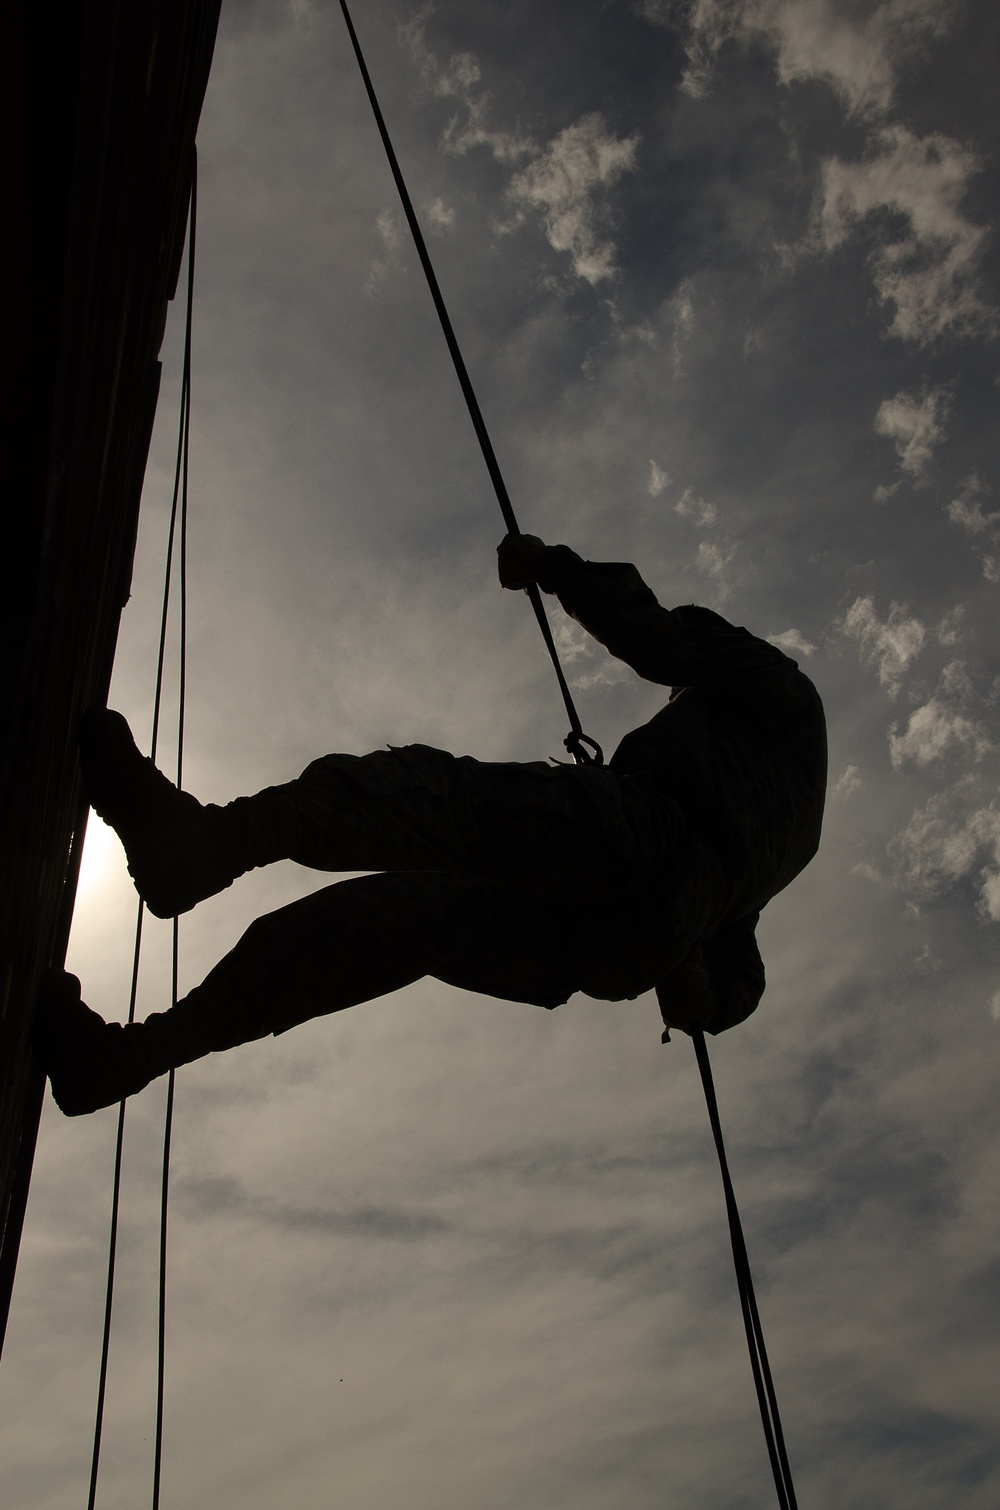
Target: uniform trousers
[(524, 881)]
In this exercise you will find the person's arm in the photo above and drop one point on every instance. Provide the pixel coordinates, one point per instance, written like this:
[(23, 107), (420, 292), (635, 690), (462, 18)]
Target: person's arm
[(679, 647), (719, 983)]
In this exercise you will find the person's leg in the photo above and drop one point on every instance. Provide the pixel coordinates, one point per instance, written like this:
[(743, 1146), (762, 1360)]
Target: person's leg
[(179, 851), (414, 808), (341, 946), (366, 937), (536, 825)]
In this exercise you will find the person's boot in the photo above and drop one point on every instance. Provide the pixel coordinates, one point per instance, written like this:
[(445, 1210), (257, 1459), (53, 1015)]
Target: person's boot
[(179, 850), (92, 1063)]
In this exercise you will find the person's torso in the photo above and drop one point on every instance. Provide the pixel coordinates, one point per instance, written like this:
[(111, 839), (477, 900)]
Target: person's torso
[(748, 768)]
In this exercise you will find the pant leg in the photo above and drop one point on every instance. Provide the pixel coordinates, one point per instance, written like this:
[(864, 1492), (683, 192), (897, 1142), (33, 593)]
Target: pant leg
[(543, 826), (364, 938)]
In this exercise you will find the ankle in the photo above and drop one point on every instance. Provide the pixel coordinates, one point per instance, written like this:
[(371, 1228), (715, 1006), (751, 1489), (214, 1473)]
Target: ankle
[(261, 829), (169, 1039)]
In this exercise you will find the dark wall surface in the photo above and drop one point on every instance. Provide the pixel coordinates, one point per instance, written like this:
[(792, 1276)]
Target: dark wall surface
[(103, 99)]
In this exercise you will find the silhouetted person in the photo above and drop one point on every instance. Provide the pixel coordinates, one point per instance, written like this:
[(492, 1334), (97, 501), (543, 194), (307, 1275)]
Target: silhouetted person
[(522, 881)]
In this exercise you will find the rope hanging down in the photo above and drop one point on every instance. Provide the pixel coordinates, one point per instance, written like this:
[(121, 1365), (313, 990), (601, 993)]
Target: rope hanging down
[(575, 743), (584, 750), (766, 1397), (178, 517)]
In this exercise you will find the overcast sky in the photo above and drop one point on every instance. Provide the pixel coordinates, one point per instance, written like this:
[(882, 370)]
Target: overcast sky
[(725, 275)]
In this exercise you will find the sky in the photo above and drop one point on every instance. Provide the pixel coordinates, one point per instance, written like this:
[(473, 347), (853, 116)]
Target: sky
[(725, 274)]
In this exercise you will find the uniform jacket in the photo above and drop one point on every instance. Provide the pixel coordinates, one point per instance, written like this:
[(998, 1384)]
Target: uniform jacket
[(741, 745)]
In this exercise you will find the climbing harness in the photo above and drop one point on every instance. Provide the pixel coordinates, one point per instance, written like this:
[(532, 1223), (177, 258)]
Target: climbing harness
[(575, 742)]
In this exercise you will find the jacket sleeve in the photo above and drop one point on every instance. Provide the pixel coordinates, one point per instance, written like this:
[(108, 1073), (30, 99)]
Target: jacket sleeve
[(679, 647), (719, 984)]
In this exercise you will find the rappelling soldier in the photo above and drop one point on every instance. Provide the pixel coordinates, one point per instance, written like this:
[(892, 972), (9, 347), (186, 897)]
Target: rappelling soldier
[(526, 881)]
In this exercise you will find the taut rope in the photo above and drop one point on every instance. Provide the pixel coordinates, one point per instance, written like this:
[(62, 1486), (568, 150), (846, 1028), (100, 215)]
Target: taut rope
[(574, 742)]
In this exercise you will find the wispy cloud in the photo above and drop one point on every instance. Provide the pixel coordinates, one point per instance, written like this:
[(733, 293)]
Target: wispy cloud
[(659, 480), (966, 510), (440, 216), (565, 180), (929, 269), (566, 183), (713, 559), (945, 843), (888, 645), (935, 730), (390, 230), (848, 782), (697, 510), (917, 424), (793, 641), (459, 78), (855, 51)]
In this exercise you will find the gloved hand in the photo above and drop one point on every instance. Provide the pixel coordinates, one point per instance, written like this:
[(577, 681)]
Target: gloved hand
[(519, 560)]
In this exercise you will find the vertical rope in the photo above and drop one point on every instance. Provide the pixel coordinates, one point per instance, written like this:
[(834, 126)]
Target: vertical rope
[(185, 456), (178, 510), (584, 750), (767, 1400), (755, 1336), (116, 1188)]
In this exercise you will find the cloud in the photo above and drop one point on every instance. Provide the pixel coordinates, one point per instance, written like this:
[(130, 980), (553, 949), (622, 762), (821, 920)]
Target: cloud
[(680, 311), (564, 184), (887, 645), (459, 78), (391, 233), (564, 181), (966, 510), (932, 732), (855, 53), (949, 632), (940, 847), (848, 782), (695, 509), (916, 424), (658, 480), (929, 269), (942, 725), (713, 558), (682, 308), (793, 641), (439, 215)]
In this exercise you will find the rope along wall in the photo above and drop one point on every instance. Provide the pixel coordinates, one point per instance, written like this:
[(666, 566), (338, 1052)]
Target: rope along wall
[(176, 535), (575, 742)]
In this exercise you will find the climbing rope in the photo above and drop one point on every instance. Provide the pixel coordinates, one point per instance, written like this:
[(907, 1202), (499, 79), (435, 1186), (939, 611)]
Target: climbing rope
[(761, 1369), (584, 750), (575, 742), (177, 528)]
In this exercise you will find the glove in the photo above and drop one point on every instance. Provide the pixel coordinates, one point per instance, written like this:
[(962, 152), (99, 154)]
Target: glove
[(519, 561)]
